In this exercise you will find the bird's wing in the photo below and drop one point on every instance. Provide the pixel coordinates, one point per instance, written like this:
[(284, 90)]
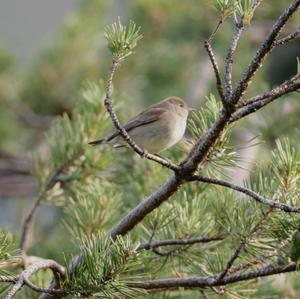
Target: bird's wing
[(147, 116)]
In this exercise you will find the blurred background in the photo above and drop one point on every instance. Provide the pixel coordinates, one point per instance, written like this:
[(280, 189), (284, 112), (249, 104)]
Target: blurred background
[(48, 49)]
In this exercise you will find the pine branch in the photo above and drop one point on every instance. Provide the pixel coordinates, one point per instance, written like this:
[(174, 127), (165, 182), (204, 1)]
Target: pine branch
[(50, 290), (181, 242), (229, 60), (257, 261), (287, 38), (253, 104), (248, 192), (214, 63), (24, 276), (210, 281)]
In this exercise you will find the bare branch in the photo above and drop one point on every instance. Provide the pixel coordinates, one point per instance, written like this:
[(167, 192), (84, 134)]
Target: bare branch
[(260, 101), (214, 63), (209, 281), (246, 191), (122, 131), (50, 291), (26, 225), (181, 242), (256, 4), (27, 222), (263, 259), (278, 91), (25, 275), (287, 38), (229, 60)]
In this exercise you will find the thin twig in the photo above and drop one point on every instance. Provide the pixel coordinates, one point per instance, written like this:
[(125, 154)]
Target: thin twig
[(27, 222), (25, 275), (282, 89), (256, 4), (181, 242), (257, 261), (260, 101), (214, 63), (220, 22), (287, 38), (229, 60), (122, 131), (246, 191), (9, 278), (44, 290)]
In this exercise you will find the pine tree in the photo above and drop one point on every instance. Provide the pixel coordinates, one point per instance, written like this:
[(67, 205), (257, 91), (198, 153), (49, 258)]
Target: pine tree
[(197, 234)]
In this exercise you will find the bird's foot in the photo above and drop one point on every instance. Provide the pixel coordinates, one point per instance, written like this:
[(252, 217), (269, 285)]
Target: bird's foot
[(145, 153)]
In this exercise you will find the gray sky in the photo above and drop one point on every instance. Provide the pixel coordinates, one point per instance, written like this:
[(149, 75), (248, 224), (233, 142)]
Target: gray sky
[(26, 24)]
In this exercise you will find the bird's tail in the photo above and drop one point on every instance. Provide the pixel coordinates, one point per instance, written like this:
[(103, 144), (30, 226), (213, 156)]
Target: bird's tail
[(99, 141)]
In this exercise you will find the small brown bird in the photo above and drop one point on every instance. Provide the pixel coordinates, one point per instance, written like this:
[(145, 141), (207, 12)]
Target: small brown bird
[(155, 129)]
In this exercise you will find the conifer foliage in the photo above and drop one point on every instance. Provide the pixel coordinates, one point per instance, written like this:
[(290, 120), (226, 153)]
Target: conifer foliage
[(157, 227)]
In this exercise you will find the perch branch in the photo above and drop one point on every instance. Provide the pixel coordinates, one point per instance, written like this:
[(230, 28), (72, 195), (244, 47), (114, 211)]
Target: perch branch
[(122, 131)]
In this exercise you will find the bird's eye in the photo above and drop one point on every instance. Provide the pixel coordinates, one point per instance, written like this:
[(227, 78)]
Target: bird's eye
[(181, 105)]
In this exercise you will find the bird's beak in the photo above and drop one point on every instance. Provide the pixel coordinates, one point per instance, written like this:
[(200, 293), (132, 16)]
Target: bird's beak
[(191, 109)]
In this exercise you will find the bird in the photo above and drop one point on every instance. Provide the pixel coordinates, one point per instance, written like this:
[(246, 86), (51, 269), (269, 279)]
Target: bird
[(155, 129)]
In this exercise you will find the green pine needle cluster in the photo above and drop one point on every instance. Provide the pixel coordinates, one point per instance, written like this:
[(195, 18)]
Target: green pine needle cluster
[(91, 209), (7, 255), (243, 8), (68, 155), (122, 39), (226, 7), (104, 268), (279, 178)]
